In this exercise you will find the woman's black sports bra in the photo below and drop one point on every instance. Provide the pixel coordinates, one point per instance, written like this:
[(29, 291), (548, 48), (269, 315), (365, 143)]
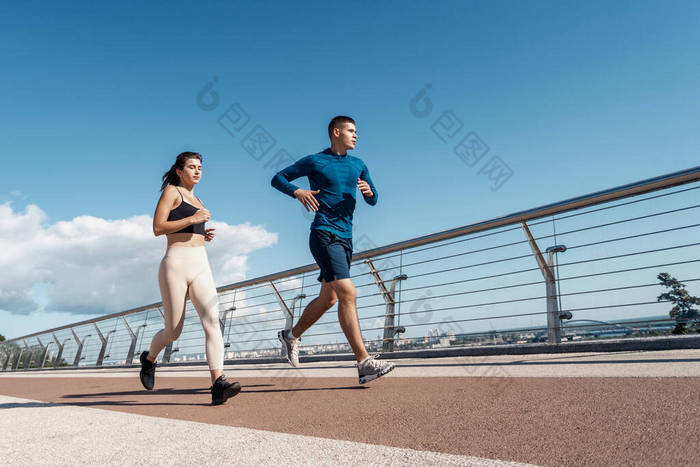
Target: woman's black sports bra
[(183, 210)]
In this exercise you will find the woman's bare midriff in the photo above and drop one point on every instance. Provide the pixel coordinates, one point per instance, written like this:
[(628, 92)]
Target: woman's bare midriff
[(185, 239)]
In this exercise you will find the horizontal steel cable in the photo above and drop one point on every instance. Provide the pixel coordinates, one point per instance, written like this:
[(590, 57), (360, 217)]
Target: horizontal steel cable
[(632, 219), (618, 271), (544, 221), (487, 304)]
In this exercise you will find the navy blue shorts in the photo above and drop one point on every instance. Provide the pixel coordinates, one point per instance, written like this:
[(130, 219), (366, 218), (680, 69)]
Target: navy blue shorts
[(332, 253)]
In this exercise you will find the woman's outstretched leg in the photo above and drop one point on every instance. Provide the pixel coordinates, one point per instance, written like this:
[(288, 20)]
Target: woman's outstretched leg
[(206, 301)]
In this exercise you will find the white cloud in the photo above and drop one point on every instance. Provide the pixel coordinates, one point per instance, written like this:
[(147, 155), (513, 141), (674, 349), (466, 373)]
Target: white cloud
[(95, 266)]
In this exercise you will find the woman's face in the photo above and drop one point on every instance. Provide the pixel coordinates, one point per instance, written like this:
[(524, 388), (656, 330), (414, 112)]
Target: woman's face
[(191, 173)]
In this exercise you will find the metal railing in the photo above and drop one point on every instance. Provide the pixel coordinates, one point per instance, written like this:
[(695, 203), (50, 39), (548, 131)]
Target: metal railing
[(577, 269)]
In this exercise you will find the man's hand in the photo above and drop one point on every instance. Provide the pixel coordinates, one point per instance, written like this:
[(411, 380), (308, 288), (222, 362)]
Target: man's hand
[(306, 197), (363, 186), (209, 235)]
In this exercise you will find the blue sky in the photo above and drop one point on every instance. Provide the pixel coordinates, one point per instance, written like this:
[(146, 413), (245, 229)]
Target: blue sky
[(574, 97)]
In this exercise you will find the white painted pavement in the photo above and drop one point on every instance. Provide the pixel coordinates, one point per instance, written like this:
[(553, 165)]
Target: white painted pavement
[(39, 433)]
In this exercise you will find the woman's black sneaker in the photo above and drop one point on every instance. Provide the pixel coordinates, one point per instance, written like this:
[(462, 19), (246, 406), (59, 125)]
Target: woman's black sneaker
[(222, 390), (148, 371)]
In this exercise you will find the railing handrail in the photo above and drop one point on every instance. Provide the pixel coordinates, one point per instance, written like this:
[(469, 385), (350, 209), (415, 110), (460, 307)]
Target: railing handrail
[(591, 199)]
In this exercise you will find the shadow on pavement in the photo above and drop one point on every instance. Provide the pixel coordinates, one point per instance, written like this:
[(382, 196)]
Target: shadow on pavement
[(27, 405), (156, 392), (167, 392)]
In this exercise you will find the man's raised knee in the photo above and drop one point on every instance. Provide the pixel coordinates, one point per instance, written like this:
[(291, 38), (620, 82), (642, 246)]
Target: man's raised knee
[(347, 295)]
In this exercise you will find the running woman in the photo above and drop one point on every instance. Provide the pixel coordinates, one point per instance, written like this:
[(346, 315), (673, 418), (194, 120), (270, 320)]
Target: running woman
[(184, 270), (334, 176)]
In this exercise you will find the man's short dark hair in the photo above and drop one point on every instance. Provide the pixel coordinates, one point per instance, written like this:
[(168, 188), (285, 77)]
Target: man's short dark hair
[(336, 122)]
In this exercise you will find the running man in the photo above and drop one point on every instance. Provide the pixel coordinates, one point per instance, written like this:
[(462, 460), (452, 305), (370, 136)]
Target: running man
[(334, 176)]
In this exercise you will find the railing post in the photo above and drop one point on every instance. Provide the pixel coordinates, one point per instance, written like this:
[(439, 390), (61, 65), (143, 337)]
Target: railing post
[(7, 358), (289, 314), (81, 344), (390, 330), (104, 339), (59, 356), (553, 316), (167, 353), (222, 321), (222, 324), (44, 352), (28, 359), (296, 299), (18, 355), (132, 346)]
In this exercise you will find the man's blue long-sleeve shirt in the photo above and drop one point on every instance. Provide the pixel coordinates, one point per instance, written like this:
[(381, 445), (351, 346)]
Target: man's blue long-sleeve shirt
[(335, 177)]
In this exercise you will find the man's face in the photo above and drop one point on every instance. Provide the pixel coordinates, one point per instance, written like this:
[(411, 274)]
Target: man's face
[(346, 135)]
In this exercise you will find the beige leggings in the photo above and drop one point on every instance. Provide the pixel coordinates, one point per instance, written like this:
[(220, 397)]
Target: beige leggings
[(186, 269)]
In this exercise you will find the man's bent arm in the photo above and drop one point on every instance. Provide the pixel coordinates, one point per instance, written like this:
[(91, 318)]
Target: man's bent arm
[(365, 176), (282, 179)]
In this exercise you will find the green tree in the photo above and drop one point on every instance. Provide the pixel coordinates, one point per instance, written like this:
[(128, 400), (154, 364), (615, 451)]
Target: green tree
[(683, 310), (2, 338)]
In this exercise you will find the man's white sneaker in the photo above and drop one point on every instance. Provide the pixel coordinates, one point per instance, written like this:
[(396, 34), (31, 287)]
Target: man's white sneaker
[(290, 347), (370, 369)]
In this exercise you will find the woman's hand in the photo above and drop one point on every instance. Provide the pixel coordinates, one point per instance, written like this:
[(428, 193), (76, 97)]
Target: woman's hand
[(209, 235), (202, 215)]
